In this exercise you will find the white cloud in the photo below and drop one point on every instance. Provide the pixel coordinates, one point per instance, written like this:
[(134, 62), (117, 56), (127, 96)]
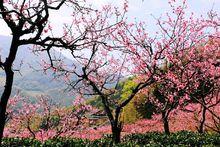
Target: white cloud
[(99, 3)]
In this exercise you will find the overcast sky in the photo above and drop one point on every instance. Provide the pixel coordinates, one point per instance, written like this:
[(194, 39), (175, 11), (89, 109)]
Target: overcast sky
[(138, 9)]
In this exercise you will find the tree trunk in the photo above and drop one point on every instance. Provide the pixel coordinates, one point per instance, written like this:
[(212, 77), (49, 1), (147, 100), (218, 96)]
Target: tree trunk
[(165, 123), (8, 83), (202, 122), (116, 133), (4, 99)]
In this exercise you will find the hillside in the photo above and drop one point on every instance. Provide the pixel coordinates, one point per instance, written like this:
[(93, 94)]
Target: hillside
[(29, 81)]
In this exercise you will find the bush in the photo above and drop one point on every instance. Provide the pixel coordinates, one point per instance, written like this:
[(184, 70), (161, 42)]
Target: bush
[(20, 142), (183, 138), (153, 139)]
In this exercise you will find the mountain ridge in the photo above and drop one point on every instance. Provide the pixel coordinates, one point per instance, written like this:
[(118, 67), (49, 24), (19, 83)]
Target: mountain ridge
[(28, 81)]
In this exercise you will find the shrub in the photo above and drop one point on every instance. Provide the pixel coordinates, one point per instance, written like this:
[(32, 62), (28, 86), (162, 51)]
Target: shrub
[(153, 139), (18, 142), (183, 138)]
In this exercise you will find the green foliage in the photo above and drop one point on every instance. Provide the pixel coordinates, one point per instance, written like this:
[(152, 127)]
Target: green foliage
[(129, 113), (64, 142), (153, 139), (183, 138), (20, 142), (139, 107), (147, 109)]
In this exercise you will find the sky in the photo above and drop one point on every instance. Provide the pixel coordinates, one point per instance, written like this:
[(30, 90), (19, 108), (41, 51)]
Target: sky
[(138, 10)]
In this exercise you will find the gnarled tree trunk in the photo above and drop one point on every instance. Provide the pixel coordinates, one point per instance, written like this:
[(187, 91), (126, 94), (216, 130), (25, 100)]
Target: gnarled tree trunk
[(165, 123), (202, 122), (116, 133), (4, 99), (7, 65)]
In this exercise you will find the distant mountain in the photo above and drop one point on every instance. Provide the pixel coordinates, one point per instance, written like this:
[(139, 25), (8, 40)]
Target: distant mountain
[(29, 81)]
